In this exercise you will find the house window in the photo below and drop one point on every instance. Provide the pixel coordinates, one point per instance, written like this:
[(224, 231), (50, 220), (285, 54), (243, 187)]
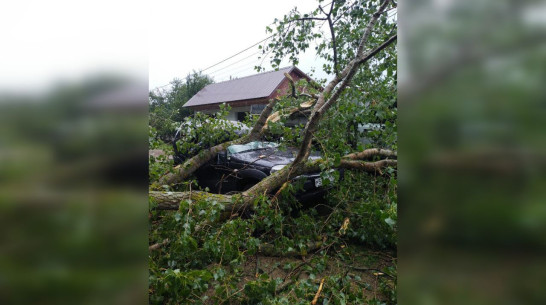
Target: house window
[(241, 116), (257, 109)]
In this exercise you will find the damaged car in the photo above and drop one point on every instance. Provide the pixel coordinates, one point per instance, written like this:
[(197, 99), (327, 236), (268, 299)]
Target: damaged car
[(240, 167)]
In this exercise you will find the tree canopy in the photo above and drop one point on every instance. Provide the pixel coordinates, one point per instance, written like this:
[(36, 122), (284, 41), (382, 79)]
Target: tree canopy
[(165, 105)]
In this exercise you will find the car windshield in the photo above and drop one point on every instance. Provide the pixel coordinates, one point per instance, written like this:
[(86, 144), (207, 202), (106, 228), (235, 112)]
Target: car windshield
[(235, 149)]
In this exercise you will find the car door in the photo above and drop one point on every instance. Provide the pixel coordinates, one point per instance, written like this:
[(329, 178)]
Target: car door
[(227, 177), (217, 175)]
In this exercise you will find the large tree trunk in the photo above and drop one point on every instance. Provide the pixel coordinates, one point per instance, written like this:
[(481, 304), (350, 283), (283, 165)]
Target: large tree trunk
[(171, 200), (185, 170), (237, 202)]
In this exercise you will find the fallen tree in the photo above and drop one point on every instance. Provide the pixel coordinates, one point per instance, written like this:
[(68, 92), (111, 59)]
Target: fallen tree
[(324, 101), (191, 165), (171, 200), (260, 244)]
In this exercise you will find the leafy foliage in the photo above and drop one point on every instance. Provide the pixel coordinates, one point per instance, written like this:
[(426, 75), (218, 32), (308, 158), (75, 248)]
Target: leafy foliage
[(202, 131), (158, 165), (278, 250), (212, 261), (166, 111)]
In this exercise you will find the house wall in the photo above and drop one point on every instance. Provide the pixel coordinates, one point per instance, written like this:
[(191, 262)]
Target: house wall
[(285, 87), (232, 115)]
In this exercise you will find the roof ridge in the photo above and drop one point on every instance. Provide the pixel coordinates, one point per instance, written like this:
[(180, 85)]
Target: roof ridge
[(262, 73)]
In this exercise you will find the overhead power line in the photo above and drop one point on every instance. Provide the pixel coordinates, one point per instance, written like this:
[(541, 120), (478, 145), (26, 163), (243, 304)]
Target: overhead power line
[(227, 59), (246, 49), (234, 73), (238, 53), (242, 51), (212, 73)]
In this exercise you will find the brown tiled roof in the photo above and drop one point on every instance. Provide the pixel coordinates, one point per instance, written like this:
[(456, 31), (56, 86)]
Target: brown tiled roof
[(249, 87)]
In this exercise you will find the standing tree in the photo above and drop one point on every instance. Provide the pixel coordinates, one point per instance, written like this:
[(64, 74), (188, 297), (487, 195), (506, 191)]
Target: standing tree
[(165, 106)]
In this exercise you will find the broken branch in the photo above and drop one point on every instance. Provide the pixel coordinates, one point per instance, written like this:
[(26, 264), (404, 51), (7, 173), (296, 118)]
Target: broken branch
[(158, 245), (317, 295), (367, 153), (171, 200)]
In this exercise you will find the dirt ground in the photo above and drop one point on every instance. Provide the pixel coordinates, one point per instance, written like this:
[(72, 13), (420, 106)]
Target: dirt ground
[(367, 265)]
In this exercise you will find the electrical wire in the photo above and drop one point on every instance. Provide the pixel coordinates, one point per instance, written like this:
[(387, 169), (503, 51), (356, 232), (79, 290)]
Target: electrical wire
[(212, 73), (238, 53), (232, 56), (235, 73)]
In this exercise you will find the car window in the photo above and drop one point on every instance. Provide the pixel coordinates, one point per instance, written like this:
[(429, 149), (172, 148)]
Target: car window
[(235, 149)]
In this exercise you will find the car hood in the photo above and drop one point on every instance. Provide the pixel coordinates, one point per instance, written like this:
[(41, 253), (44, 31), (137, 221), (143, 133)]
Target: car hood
[(269, 157)]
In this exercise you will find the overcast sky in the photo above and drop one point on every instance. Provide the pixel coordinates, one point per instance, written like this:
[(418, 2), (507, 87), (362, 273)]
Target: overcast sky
[(46, 42), (193, 35)]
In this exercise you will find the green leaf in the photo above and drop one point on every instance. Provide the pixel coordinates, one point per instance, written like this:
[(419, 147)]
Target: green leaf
[(337, 160), (390, 221)]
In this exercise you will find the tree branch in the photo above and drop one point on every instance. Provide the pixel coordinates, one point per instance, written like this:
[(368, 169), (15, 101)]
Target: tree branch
[(256, 131), (292, 85), (367, 153), (332, 33), (369, 27), (158, 245), (307, 18), (171, 200), (371, 54), (303, 108), (317, 295), (344, 77), (185, 170), (276, 180), (371, 167), (232, 203)]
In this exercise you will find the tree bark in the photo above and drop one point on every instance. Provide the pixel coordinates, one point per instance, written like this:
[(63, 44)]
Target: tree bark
[(171, 200), (367, 153), (237, 202), (185, 170)]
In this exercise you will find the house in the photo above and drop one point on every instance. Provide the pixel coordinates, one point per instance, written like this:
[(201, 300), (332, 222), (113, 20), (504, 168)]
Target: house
[(248, 94)]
